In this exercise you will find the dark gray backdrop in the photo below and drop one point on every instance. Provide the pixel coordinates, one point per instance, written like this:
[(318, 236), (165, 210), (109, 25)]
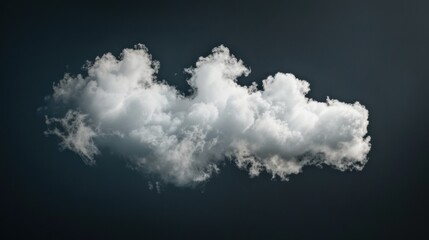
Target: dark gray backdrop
[(371, 51)]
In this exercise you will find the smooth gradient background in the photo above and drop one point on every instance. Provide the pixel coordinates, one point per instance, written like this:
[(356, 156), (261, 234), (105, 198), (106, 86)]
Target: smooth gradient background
[(374, 52)]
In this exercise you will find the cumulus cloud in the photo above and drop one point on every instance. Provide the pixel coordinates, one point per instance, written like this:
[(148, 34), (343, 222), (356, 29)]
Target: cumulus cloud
[(120, 106)]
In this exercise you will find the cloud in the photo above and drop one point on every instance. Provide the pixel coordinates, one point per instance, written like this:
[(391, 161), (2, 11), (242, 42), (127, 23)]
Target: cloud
[(120, 106)]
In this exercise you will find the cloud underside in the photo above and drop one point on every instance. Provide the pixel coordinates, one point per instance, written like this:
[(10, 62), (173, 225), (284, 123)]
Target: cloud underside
[(119, 106)]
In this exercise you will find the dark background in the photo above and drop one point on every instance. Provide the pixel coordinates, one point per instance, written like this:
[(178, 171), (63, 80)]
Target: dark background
[(375, 52)]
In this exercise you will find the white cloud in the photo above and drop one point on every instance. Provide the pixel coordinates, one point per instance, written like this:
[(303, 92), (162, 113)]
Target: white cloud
[(121, 106)]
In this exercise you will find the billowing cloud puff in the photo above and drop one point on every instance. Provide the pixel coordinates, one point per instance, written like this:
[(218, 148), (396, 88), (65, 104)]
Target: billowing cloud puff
[(121, 107)]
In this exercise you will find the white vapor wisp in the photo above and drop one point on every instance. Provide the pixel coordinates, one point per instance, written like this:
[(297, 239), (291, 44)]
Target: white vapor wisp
[(121, 107)]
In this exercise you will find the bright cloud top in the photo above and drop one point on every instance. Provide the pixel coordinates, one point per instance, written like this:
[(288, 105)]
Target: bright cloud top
[(121, 107)]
